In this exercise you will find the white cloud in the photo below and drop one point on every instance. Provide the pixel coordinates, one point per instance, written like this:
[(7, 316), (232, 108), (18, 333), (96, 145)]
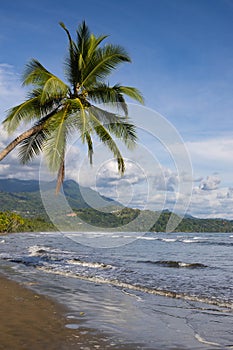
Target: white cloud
[(4, 168), (4, 137), (212, 204), (165, 181), (230, 192), (210, 183), (213, 155), (217, 150)]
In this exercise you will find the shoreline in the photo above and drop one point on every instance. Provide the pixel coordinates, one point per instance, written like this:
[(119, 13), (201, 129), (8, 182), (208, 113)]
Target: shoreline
[(58, 301), (29, 321)]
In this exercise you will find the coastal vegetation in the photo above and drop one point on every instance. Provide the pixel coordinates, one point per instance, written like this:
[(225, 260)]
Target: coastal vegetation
[(13, 222), (127, 215)]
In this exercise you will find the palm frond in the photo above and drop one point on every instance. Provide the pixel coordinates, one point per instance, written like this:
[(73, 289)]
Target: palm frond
[(67, 32), (32, 146), (94, 43), (116, 125), (104, 116), (103, 93), (45, 107), (132, 92), (53, 90), (72, 71), (78, 118), (75, 104), (125, 132), (55, 145), (26, 111), (48, 86), (83, 43), (35, 74), (103, 62), (108, 141)]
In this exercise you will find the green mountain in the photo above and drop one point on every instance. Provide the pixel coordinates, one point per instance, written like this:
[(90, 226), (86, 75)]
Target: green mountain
[(24, 196)]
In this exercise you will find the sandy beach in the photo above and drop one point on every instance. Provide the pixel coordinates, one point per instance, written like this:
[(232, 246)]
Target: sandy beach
[(30, 321)]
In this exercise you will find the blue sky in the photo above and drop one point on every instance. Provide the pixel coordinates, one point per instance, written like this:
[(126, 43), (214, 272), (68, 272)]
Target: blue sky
[(182, 53)]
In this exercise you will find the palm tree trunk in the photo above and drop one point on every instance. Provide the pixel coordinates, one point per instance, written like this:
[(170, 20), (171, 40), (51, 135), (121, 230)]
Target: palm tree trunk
[(61, 175), (19, 139)]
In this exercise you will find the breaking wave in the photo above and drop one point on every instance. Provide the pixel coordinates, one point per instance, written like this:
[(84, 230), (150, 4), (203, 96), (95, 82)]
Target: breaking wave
[(139, 288)]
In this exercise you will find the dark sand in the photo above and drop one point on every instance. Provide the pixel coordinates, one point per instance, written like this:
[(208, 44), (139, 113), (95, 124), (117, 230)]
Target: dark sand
[(29, 321)]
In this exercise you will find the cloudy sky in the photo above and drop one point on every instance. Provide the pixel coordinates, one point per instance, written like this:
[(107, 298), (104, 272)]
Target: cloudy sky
[(182, 57)]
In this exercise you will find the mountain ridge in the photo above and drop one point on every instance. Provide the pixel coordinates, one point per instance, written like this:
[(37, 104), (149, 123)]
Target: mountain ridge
[(112, 215), (24, 196)]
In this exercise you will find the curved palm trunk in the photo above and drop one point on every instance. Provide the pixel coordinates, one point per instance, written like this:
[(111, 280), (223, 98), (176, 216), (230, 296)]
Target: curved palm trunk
[(19, 139)]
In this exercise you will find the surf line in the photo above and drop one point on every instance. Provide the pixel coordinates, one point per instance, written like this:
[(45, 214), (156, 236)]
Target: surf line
[(201, 340), (125, 285)]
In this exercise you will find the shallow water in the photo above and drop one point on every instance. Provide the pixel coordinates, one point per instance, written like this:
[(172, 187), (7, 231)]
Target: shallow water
[(160, 291)]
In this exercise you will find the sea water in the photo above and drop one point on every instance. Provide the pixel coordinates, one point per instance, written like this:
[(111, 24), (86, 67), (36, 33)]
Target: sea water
[(154, 290)]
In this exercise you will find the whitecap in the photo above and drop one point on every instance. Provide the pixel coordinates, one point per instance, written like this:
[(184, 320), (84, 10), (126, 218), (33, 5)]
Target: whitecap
[(169, 239), (95, 265), (189, 241)]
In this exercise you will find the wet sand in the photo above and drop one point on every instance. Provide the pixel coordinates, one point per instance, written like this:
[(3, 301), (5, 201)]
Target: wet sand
[(29, 321)]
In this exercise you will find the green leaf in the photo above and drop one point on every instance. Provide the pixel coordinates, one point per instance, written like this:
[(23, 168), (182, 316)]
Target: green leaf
[(55, 145), (103, 62), (117, 125), (32, 146), (132, 92), (26, 111), (107, 139), (103, 93), (53, 89), (35, 74)]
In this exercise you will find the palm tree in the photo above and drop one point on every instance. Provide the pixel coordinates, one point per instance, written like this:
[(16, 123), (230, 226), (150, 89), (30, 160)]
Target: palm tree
[(58, 109)]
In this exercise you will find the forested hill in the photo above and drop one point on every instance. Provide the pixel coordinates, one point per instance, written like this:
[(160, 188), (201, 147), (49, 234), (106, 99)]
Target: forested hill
[(22, 198), (128, 215)]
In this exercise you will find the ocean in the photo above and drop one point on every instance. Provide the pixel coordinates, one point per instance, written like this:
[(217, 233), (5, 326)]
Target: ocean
[(148, 291)]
